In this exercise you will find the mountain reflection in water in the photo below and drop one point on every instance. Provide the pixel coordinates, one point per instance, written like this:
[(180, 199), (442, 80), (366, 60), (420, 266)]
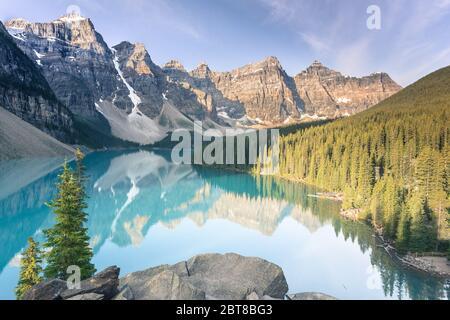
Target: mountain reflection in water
[(144, 211)]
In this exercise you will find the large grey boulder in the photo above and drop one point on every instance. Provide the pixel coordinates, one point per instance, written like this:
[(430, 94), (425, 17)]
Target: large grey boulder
[(47, 290), (88, 296), (124, 294), (104, 283), (168, 285), (209, 276), (232, 276), (310, 296)]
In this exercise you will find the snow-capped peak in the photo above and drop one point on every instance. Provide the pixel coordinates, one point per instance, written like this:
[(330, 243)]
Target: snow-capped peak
[(71, 17)]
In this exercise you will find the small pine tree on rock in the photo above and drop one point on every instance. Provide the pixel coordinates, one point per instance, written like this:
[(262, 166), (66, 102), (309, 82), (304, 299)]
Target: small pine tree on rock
[(68, 240), (30, 269)]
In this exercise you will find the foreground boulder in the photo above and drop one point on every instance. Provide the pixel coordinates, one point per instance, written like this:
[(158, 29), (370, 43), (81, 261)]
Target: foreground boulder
[(203, 277), (209, 276), (310, 296), (47, 290), (88, 296), (104, 283), (124, 294), (102, 286)]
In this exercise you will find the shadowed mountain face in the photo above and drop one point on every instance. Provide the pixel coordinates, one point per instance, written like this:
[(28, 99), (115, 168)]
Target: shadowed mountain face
[(144, 210), (25, 92), (110, 91), (19, 139)]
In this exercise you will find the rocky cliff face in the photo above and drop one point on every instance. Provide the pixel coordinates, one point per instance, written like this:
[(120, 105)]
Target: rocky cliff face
[(122, 93), (262, 93), (264, 89), (26, 93), (143, 75), (118, 91), (328, 93), (74, 59)]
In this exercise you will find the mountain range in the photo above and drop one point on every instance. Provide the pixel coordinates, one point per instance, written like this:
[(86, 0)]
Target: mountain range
[(63, 78)]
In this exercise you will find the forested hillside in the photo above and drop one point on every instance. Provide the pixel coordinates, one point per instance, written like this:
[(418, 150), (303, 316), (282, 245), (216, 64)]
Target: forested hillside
[(392, 161)]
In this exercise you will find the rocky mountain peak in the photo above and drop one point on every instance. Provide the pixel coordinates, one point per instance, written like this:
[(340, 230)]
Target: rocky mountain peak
[(202, 71), (70, 28), (72, 17), (331, 94), (174, 64), (318, 69), (136, 57), (25, 92), (380, 75), (269, 64), (17, 24), (316, 64), (272, 61)]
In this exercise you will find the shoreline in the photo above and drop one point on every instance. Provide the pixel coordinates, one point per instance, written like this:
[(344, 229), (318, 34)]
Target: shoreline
[(437, 266), (431, 264)]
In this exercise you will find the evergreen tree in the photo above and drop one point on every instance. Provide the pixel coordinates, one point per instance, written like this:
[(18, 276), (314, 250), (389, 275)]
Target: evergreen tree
[(68, 241), (391, 208), (423, 230), (403, 229), (80, 169), (392, 161), (30, 268)]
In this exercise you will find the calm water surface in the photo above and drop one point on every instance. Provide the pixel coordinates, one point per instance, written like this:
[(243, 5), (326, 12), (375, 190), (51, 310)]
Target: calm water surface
[(145, 211)]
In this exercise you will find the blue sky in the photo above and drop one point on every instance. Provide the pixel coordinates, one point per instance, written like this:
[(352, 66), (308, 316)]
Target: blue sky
[(412, 42)]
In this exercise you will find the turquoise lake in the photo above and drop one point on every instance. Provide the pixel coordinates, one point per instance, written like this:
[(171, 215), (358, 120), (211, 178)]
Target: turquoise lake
[(146, 211)]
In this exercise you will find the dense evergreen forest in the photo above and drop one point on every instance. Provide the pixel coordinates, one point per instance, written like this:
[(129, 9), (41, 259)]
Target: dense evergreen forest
[(392, 162)]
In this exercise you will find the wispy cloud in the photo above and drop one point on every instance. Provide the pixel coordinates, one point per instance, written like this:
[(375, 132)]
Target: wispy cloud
[(166, 14), (433, 62), (336, 31), (353, 58), (315, 42), (413, 39), (281, 10)]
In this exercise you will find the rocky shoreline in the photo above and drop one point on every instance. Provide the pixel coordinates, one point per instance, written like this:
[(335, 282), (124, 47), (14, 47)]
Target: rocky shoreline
[(203, 277), (434, 265), (438, 266)]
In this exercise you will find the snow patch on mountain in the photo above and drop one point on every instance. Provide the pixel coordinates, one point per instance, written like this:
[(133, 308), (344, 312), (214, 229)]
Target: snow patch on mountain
[(135, 127), (343, 100), (313, 117), (39, 55), (133, 96), (71, 18)]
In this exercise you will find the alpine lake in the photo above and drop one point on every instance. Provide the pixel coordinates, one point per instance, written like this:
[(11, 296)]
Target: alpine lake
[(146, 211)]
